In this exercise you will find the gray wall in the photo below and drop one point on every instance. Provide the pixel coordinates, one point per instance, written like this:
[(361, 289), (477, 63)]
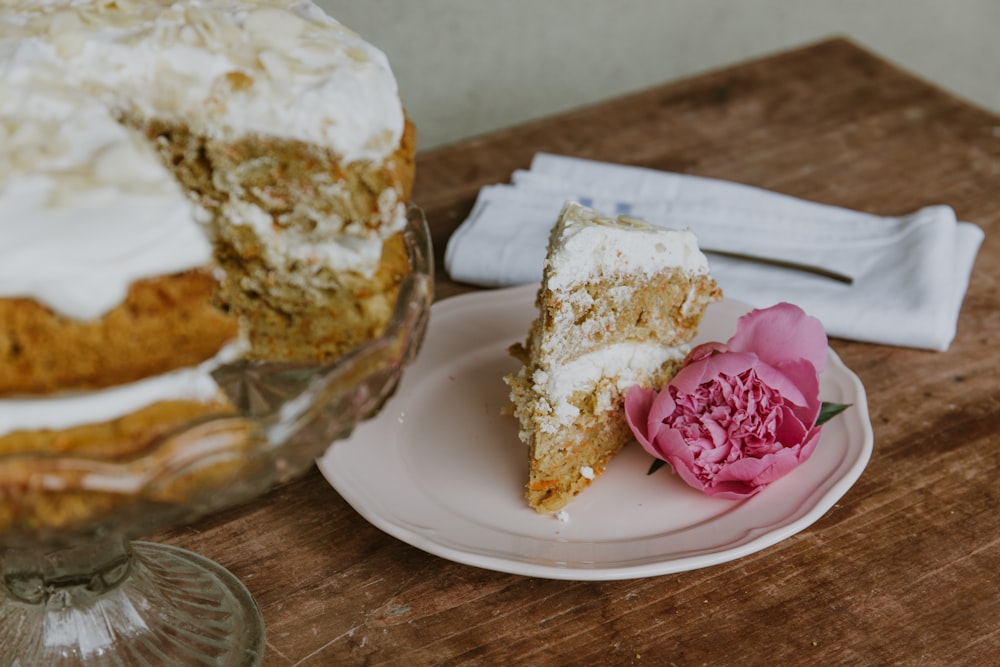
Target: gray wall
[(469, 66)]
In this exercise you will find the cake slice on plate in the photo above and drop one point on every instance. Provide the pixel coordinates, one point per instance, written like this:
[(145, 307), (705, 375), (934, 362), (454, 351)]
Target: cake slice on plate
[(619, 302)]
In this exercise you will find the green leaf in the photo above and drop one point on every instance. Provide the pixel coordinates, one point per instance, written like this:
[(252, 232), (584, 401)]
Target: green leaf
[(828, 411), (657, 464)]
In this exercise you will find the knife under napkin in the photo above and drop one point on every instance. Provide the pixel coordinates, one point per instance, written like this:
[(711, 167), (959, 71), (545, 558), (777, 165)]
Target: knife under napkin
[(908, 274)]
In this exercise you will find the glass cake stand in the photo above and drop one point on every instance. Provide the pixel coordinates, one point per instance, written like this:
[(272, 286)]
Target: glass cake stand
[(78, 589)]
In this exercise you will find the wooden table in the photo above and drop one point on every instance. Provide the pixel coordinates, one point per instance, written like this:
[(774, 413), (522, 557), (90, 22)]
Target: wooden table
[(903, 570)]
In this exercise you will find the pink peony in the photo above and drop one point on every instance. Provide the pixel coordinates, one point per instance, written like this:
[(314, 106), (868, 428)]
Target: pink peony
[(738, 415)]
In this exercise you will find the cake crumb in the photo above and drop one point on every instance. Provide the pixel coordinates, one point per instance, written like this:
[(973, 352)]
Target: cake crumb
[(563, 516)]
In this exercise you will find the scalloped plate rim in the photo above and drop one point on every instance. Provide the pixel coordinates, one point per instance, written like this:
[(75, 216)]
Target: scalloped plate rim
[(395, 469)]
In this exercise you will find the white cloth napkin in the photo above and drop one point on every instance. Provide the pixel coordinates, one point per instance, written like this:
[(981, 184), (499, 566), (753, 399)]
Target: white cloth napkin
[(909, 273)]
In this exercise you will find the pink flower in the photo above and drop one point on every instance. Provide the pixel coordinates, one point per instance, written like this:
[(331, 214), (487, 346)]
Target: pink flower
[(739, 415)]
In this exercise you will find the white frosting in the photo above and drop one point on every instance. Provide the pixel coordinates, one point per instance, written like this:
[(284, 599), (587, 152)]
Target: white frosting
[(625, 364), (225, 67), (86, 207), (67, 410), (590, 245)]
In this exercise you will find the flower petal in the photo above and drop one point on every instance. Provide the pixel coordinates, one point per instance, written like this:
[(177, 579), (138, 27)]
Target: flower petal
[(812, 439), (779, 464), (807, 383), (662, 407), (705, 350), (781, 333), (789, 386), (791, 430), (670, 447), (637, 405), (732, 490), (691, 376)]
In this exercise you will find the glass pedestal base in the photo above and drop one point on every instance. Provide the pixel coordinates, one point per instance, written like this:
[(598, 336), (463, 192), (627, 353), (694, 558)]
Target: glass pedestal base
[(117, 602)]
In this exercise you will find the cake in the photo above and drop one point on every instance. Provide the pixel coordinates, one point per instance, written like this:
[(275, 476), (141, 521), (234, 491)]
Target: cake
[(619, 302), (183, 184)]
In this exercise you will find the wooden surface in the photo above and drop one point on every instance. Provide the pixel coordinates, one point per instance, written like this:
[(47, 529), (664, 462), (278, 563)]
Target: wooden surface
[(902, 571)]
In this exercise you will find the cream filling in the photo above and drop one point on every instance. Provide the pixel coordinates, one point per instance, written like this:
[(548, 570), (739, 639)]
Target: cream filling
[(300, 257), (623, 364), (64, 411)]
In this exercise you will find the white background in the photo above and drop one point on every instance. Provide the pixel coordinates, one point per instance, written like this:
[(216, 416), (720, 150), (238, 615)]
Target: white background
[(469, 66)]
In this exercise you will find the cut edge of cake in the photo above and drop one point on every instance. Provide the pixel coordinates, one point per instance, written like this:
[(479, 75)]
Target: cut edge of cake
[(619, 303), (169, 211)]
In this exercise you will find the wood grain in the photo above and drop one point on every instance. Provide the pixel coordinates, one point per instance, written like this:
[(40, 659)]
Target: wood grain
[(902, 571)]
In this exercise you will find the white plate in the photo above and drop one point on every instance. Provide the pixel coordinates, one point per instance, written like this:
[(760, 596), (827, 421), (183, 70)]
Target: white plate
[(441, 469)]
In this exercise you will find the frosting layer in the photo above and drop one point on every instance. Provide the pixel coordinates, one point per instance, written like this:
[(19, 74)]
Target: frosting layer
[(620, 366), (67, 410), (87, 208), (226, 68), (591, 246)]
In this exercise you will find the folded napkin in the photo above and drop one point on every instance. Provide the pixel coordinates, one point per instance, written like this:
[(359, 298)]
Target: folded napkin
[(909, 273)]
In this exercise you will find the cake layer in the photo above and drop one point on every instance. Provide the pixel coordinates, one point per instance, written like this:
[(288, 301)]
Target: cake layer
[(616, 308), (55, 412), (116, 439), (296, 325), (163, 324)]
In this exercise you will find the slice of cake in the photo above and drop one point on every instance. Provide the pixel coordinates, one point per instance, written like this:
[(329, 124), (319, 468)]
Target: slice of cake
[(619, 302)]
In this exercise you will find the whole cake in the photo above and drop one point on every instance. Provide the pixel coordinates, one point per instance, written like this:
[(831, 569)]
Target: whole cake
[(619, 302), (181, 184)]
